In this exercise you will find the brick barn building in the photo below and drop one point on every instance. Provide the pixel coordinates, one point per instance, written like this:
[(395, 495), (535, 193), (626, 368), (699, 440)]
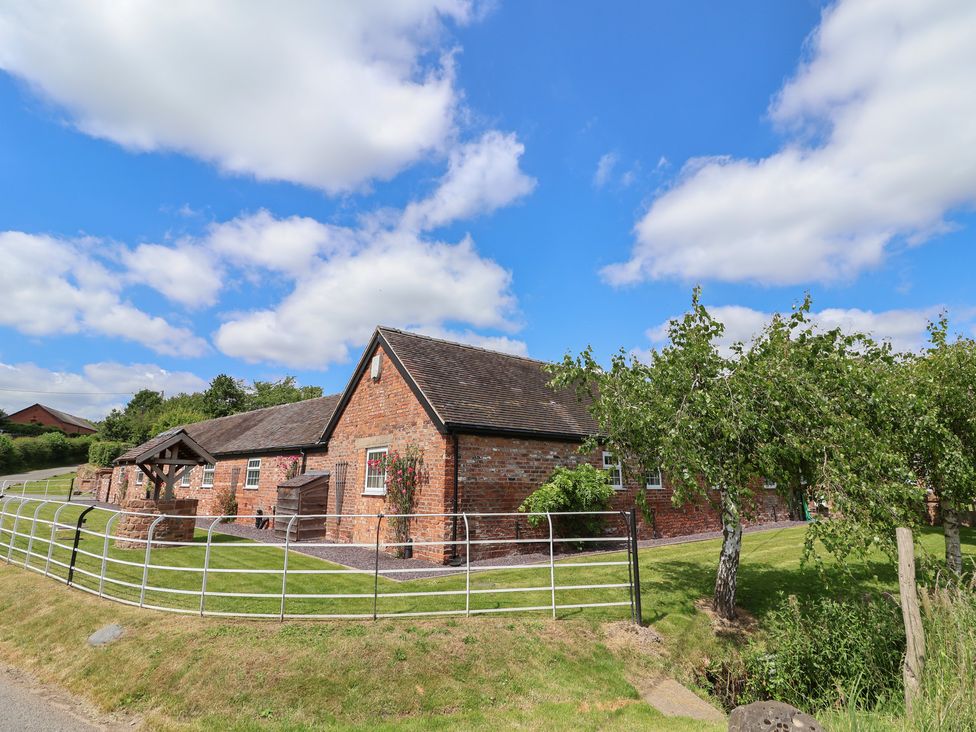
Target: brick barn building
[(40, 414), (490, 427)]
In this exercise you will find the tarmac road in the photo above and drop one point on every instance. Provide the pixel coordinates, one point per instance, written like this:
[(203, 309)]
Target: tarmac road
[(39, 474), (26, 707)]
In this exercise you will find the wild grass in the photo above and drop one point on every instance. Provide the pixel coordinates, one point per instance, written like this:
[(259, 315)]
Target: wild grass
[(521, 671)]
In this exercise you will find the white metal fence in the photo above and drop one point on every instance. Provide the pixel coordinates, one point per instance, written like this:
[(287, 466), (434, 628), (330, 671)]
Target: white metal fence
[(57, 488), (222, 574)]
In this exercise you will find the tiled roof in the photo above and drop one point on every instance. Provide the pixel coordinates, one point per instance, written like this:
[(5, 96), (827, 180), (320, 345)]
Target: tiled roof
[(474, 388), (299, 424)]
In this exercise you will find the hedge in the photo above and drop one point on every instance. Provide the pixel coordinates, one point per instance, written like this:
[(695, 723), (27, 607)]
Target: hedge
[(53, 448), (103, 452)]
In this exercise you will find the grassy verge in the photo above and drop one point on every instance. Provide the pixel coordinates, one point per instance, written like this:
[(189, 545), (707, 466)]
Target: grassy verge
[(183, 672)]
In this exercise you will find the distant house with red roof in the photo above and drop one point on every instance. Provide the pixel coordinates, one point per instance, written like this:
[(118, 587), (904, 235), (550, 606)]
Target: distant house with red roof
[(43, 415)]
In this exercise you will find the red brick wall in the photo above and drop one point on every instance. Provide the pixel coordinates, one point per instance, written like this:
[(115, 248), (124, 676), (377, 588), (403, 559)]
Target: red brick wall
[(273, 469), (497, 473), (36, 415), (385, 413)]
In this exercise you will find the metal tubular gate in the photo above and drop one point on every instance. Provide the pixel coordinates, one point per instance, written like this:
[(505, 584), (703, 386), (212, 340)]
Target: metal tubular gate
[(260, 589)]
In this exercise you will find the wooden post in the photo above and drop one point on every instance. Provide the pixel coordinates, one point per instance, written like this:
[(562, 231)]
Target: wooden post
[(914, 634)]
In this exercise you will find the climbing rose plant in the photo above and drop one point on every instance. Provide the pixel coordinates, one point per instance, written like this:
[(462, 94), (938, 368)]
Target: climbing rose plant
[(405, 474), (289, 465)]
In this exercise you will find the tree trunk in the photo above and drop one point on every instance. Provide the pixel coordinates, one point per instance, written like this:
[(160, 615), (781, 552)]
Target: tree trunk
[(950, 527), (728, 563)]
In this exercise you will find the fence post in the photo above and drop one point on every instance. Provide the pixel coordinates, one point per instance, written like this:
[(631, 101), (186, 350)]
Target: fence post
[(376, 564), (635, 561), (145, 566), (914, 634), (284, 569), (54, 533), (74, 547), (71, 484), (552, 566), (108, 536), (467, 566), (30, 542), (206, 564), (630, 566)]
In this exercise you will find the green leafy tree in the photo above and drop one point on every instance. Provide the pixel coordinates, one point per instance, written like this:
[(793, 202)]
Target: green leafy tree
[(783, 408), (285, 391), (115, 427), (225, 396), (941, 433), (175, 416)]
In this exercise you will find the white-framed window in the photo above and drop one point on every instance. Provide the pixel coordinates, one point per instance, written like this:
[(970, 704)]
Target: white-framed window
[(253, 477), (140, 476), (655, 481), (769, 485), (375, 483), (613, 466), (185, 480), (208, 476)]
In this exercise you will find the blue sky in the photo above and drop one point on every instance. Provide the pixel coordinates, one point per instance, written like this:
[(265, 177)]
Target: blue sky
[(189, 190)]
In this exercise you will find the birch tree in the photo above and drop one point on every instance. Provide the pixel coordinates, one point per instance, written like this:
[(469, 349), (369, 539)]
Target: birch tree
[(941, 437), (796, 407)]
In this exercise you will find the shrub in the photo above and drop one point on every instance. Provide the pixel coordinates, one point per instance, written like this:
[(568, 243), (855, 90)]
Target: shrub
[(583, 488), (226, 502), (8, 455), (815, 654), (32, 452), (103, 452)]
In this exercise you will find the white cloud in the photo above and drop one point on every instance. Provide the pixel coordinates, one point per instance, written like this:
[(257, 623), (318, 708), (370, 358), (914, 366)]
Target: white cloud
[(881, 147), (94, 392), (329, 95), (903, 328), (604, 169), (393, 278), (481, 177), (283, 245), (55, 286), (185, 274)]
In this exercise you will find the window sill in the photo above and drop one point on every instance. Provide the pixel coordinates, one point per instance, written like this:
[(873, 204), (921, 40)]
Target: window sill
[(251, 487), (374, 494)]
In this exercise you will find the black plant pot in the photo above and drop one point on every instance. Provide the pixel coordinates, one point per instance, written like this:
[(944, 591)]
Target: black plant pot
[(408, 550)]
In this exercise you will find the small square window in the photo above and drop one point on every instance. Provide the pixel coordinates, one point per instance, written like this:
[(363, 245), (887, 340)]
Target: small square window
[(615, 469), (185, 480), (208, 476), (769, 485), (655, 481), (253, 478), (375, 484), (140, 476)]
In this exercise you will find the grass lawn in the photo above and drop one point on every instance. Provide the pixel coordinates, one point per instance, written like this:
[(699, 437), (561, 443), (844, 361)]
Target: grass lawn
[(508, 672)]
